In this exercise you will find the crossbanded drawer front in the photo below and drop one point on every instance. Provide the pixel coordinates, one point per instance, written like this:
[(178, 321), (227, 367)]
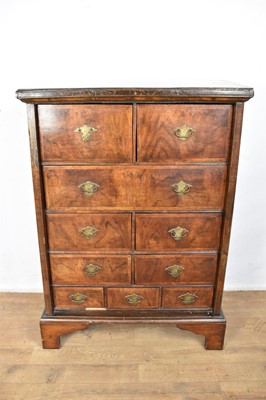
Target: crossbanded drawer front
[(93, 270), (180, 188), (138, 187), (78, 297), (187, 297), (88, 232), (85, 133), (180, 231), (88, 187), (170, 132), (133, 298), (175, 270)]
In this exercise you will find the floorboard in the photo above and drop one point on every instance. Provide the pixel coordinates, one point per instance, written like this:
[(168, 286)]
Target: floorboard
[(133, 362)]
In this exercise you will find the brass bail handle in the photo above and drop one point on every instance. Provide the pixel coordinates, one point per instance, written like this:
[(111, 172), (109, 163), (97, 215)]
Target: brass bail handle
[(78, 298), (184, 132), (86, 132), (89, 188), (175, 270), (181, 188), (88, 232), (188, 298), (91, 269), (134, 299), (178, 233)]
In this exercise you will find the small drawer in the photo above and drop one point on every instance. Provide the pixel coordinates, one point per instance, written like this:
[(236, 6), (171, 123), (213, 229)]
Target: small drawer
[(184, 231), (180, 187), (132, 298), (78, 297), (180, 132), (175, 270), (88, 232), (187, 297), (85, 133), (98, 188), (94, 270)]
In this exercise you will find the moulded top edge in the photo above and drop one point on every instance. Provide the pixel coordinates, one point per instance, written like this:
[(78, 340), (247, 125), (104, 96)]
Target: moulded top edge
[(233, 92)]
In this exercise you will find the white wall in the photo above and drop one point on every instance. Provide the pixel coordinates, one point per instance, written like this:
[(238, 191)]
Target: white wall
[(88, 43)]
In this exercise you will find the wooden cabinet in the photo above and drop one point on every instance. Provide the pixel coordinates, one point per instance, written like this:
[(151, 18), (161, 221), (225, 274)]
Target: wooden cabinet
[(134, 192)]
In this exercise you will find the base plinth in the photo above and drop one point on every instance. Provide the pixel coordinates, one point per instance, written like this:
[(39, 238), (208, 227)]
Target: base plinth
[(213, 328)]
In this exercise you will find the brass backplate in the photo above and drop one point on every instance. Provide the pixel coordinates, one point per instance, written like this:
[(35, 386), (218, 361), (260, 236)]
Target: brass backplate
[(88, 232), (188, 298), (134, 299), (86, 132)]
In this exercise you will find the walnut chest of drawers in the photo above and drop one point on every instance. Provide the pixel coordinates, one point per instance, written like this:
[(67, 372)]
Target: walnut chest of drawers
[(134, 192)]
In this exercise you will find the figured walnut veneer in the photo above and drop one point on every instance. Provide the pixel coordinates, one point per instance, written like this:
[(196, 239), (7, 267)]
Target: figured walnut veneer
[(134, 192)]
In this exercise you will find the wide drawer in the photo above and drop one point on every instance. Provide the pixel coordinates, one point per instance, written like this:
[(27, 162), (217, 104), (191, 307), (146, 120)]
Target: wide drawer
[(138, 187), (87, 232), (182, 231), (180, 132), (92, 270), (187, 297), (132, 298), (85, 133), (175, 270), (78, 297)]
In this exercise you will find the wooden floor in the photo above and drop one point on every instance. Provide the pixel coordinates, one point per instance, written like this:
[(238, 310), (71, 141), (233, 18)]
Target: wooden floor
[(133, 362)]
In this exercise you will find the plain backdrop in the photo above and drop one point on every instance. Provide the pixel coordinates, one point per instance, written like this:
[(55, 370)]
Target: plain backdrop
[(98, 43)]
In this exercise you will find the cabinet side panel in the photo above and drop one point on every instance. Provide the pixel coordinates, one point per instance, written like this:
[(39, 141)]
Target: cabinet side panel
[(39, 205), (229, 204)]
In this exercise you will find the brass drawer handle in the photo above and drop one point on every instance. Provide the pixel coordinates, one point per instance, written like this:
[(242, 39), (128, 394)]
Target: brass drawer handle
[(88, 232), (175, 270), (134, 299), (181, 188), (178, 233), (184, 132), (86, 132), (188, 298), (88, 188), (78, 298), (91, 269)]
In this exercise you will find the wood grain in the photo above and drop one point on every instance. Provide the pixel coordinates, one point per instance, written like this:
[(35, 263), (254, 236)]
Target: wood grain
[(51, 333), (135, 158), (170, 297), (111, 143), (69, 270), (229, 204), (154, 190), (152, 232), (114, 232), (94, 296), (116, 298), (157, 141), (125, 361), (114, 192), (197, 269), (136, 188), (224, 92), (39, 206)]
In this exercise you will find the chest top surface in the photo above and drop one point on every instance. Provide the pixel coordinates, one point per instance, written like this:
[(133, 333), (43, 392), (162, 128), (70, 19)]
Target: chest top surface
[(220, 91)]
